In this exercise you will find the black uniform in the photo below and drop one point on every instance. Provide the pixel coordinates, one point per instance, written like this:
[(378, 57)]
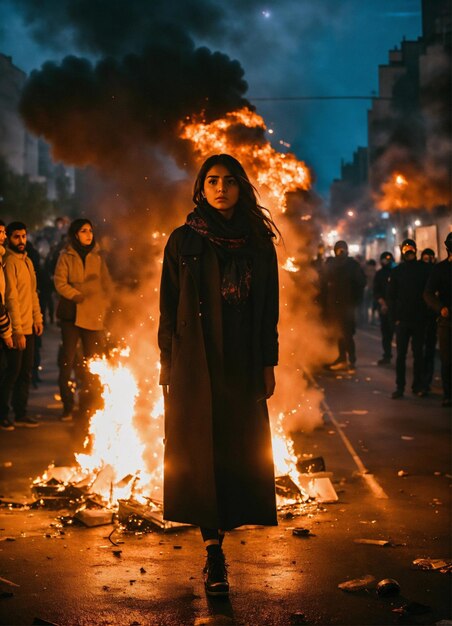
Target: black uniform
[(409, 313), (438, 295), (381, 282)]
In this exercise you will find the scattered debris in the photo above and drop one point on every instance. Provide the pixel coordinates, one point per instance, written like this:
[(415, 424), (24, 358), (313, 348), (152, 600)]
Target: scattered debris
[(316, 464), (6, 594), (177, 547), (286, 488), (42, 622), (407, 438), (402, 473), (142, 570), (117, 553), (7, 539), (94, 517), (145, 517), (375, 542), (388, 587), (443, 565), (7, 464), (319, 486), (302, 532), (357, 584), (413, 608), (298, 618)]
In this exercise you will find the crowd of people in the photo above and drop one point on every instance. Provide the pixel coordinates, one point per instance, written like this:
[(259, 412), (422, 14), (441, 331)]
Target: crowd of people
[(218, 341), (76, 270), (412, 300)]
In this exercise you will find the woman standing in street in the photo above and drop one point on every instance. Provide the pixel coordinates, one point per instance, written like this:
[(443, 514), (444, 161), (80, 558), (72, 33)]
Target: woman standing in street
[(84, 285), (219, 344)]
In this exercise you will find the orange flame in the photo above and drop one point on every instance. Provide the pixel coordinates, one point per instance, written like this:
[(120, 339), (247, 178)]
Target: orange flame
[(276, 173)]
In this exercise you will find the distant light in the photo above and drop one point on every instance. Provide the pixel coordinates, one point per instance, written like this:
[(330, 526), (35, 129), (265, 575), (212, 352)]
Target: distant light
[(266, 14), (385, 215), (394, 231), (351, 213), (270, 131), (417, 222), (354, 248)]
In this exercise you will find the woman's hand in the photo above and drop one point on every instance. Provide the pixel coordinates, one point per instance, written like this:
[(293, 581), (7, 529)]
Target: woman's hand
[(269, 381), (78, 299)]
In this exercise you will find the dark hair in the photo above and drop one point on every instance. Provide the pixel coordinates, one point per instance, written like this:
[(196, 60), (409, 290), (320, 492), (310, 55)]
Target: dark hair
[(14, 226), (2, 223), (75, 226), (428, 251), (260, 217)]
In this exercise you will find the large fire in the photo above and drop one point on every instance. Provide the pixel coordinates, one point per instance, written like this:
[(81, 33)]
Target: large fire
[(123, 455), (276, 173)]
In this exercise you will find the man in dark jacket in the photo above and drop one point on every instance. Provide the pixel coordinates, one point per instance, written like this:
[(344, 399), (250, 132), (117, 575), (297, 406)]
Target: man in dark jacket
[(438, 296), (409, 313), (343, 285), (381, 282)]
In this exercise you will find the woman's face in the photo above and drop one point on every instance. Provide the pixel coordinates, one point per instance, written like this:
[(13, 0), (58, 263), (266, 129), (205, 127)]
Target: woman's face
[(2, 234), (85, 235), (221, 190)]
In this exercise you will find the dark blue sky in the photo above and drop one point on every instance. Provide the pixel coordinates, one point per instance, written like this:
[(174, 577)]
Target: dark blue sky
[(286, 47)]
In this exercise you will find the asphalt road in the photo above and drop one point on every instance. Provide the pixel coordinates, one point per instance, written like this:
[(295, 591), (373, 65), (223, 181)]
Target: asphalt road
[(390, 465)]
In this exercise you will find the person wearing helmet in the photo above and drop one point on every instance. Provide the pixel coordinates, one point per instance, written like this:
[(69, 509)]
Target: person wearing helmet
[(381, 281), (409, 313), (438, 296), (343, 283)]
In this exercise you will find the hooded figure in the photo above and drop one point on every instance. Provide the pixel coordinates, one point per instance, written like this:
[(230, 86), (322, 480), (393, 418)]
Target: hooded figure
[(438, 296), (342, 287), (409, 314)]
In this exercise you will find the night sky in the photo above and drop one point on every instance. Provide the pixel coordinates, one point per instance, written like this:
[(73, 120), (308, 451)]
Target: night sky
[(286, 48)]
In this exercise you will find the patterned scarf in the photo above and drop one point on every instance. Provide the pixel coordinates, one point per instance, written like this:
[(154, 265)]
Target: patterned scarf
[(231, 241)]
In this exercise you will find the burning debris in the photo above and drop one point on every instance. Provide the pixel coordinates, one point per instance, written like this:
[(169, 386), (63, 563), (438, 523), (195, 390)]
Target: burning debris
[(107, 484)]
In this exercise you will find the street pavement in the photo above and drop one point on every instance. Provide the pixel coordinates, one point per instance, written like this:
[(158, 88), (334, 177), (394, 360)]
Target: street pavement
[(390, 465)]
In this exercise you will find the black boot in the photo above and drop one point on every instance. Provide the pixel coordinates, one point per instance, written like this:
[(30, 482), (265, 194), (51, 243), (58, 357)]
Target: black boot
[(215, 573)]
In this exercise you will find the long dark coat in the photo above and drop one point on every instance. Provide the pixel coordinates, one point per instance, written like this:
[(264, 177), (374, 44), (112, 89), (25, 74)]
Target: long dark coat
[(218, 468)]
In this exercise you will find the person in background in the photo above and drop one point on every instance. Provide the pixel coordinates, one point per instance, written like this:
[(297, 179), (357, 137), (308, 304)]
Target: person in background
[(368, 306), (35, 258), (438, 296), (22, 303), (430, 335), (343, 283), (409, 314), (83, 283), (380, 288), (6, 340), (218, 348)]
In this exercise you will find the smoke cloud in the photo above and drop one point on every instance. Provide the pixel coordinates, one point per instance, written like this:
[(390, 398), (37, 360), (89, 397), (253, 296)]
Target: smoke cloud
[(419, 142)]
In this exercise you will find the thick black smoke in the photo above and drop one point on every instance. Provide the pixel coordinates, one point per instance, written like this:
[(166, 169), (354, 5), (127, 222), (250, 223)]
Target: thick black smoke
[(103, 113)]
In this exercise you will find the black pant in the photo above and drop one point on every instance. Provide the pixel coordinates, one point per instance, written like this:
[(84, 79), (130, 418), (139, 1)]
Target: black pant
[(429, 351), (92, 343), (387, 332), (346, 343), (445, 345), (15, 381), (404, 333)]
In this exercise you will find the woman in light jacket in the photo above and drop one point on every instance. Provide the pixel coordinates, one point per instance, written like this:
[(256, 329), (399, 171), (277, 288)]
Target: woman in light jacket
[(84, 285)]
